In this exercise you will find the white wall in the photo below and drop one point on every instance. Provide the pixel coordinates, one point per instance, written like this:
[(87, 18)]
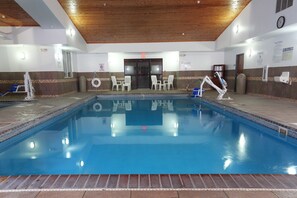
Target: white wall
[(76, 40), (38, 36), (48, 33), (271, 51), (200, 60), (257, 19), (152, 47), (170, 60), (91, 62), (21, 58)]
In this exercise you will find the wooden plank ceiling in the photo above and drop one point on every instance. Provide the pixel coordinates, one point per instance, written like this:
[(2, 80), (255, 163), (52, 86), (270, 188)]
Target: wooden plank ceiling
[(129, 21), (126, 21), (11, 14)]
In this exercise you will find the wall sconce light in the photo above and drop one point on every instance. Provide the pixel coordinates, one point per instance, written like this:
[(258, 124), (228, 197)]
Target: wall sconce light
[(23, 56), (236, 29), (71, 32), (58, 56), (250, 52)]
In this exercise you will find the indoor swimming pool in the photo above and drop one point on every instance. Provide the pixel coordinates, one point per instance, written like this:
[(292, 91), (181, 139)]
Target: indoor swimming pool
[(148, 136)]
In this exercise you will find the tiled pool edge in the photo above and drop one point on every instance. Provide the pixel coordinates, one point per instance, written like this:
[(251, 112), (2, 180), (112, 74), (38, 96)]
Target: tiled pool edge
[(148, 189), (292, 132), (19, 127), (210, 182), (215, 182)]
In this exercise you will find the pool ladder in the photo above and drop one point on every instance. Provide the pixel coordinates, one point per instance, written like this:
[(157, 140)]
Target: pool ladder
[(283, 131)]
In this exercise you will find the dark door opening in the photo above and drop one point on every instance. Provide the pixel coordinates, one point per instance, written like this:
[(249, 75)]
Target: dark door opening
[(141, 70), (143, 73), (238, 67)]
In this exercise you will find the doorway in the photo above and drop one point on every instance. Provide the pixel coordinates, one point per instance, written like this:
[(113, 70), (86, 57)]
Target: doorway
[(141, 70), (143, 73), (239, 67)]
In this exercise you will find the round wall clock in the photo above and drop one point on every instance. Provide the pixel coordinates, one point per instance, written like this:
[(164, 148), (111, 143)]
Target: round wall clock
[(280, 22)]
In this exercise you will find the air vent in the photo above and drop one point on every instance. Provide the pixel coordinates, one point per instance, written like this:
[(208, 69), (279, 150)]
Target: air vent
[(283, 4)]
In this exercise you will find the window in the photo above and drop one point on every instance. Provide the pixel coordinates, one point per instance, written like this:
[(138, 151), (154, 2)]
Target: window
[(67, 64), (283, 4)]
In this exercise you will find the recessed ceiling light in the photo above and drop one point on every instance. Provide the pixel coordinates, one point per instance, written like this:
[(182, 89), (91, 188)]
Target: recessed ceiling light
[(183, 34), (198, 2), (104, 4), (235, 4), (3, 16), (73, 7)]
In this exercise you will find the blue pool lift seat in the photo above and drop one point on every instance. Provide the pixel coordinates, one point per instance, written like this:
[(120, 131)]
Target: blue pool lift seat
[(14, 88), (196, 92)]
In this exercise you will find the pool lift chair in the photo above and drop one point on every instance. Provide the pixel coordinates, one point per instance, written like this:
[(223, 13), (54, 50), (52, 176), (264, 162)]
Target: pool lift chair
[(219, 90), (29, 87), (26, 88)]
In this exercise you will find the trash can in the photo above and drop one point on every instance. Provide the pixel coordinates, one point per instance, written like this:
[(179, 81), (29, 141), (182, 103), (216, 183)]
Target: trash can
[(82, 84), (241, 84)]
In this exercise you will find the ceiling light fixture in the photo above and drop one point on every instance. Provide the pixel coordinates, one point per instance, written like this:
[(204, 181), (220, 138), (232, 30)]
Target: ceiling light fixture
[(183, 34), (198, 2), (73, 8), (104, 4), (3, 16), (235, 4)]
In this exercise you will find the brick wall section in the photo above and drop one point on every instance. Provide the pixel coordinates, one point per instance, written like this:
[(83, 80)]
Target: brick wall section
[(190, 79), (54, 83), (257, 86), (104, 78), (44, 83)]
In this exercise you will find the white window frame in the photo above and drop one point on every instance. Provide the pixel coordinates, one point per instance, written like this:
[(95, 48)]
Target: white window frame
[(67, 64)]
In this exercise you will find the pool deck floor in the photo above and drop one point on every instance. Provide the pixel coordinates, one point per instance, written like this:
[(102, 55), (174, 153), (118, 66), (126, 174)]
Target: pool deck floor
[(282, 111)]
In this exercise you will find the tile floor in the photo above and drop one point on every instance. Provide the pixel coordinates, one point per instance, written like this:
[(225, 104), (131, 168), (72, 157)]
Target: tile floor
[(275, 109), (149, 194)]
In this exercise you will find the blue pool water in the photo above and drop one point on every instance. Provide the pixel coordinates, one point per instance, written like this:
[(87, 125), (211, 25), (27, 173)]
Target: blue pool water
[(169, 136)]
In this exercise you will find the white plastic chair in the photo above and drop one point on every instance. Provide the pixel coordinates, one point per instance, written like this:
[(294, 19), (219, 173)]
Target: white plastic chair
[(127, 83), (155, 82), (169, 82), (115, 83)]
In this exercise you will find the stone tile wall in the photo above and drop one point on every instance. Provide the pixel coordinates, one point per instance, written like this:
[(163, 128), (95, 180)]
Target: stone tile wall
[(104, 78), (48, 84), (190, 79), (53, 83), (257, 86)]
